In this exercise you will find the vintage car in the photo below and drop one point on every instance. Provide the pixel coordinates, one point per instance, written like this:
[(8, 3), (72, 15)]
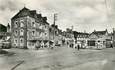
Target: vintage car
[(5, 45)]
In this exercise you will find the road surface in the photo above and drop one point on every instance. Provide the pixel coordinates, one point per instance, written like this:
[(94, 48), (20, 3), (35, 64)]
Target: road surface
[(62, 58)]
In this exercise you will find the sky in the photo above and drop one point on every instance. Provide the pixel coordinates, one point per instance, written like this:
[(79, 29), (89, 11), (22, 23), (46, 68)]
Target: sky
[(83, 15)]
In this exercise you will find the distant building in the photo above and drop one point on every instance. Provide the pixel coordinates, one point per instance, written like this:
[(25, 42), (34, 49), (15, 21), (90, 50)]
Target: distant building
[(114, 37), (81, 39), (55, 34), (8, 33), (29, 29), (69, 37), (99, 39), (3, 30)]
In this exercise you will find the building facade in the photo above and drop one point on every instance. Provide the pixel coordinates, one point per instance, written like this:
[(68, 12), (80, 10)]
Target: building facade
[(29, 29), (55, 35), (113, 37), (69, 37), (81, 39), (99, 39)]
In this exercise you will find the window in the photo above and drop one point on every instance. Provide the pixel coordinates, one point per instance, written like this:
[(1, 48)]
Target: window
[(21, 32), (33, 33), (21, 24), (41, 34), (50, 29), (45, 33), (40, 26), (45, 27), (16, 41), (21, 40), (16, 32), (33, 24), (16, 23), (98, 41)]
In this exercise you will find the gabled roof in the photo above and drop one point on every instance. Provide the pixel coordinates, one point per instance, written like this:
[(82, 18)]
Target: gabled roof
[(92, 35), (80, 33), (99, 32), (20, 13), (32, 13)]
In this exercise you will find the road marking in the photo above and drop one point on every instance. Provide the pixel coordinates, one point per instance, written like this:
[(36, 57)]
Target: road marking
[(17, 65)]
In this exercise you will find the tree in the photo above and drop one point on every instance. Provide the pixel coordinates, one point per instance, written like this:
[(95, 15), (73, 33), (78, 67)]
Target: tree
[(3, 28)]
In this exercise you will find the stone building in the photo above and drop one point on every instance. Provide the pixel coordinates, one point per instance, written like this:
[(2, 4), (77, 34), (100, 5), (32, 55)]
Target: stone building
[(99, 39), (55, 35), (29, 29), (3, 30), (113, 37), (5, 33), (81, 39), (69, 37)]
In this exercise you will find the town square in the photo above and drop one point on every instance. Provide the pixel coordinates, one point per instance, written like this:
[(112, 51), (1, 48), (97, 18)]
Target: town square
[(57, 35)]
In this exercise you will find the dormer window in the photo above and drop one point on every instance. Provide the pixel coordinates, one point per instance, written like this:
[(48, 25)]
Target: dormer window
[(33, 24), (16, 23), (33, 33), (21, 23), (16, 32)]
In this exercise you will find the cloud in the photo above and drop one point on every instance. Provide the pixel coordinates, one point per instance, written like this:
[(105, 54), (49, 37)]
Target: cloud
[(82, 14), (9, 4)]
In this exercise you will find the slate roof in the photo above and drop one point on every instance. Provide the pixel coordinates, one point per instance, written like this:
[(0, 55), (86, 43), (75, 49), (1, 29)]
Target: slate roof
[(99, 32), (32, 13), (81, 34)]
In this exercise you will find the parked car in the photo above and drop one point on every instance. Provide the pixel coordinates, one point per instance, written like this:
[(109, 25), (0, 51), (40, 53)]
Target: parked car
[(5, 45)]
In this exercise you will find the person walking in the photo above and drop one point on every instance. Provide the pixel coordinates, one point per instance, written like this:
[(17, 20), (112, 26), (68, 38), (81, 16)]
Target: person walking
[(78, 47), (111, 46)]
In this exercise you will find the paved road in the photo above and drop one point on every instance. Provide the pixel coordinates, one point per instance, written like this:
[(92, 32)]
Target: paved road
[(59, 59)]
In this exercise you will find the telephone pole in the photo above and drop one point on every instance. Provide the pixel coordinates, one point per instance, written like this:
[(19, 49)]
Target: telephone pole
[(54, 22)]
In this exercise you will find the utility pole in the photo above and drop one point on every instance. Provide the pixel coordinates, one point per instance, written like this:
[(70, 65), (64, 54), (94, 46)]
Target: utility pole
[(113, 37), (54, 22), (72, 28)]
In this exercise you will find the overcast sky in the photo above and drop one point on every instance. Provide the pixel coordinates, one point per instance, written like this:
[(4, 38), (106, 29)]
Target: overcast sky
[(82, 14)]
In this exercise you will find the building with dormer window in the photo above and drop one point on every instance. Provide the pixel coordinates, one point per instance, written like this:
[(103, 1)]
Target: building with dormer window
[(28, 28), (81, 39), (99, 39)]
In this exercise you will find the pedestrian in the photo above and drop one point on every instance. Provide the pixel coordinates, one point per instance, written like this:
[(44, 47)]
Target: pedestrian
[(78, 47), (42, 44), (111, 46), (37, 45)]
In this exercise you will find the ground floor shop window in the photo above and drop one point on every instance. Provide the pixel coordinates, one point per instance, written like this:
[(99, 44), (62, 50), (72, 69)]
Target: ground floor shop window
[(91, 43)]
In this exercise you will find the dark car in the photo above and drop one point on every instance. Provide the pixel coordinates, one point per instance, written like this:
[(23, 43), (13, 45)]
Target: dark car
[(5, 45)]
